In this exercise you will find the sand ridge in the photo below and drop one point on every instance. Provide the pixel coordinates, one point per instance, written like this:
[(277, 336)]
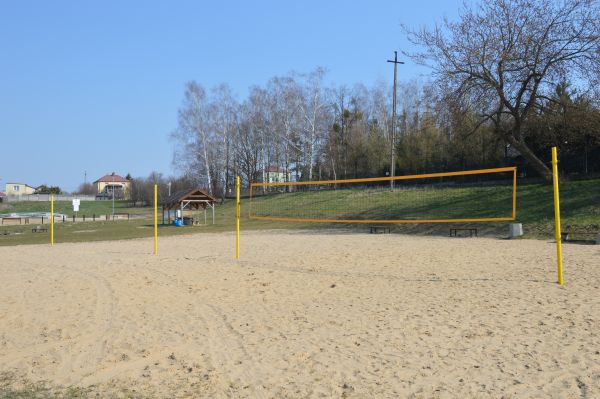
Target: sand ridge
[(304, 314)]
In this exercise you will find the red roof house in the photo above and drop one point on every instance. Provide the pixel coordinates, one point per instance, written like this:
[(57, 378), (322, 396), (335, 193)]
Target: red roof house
[(113, 185)]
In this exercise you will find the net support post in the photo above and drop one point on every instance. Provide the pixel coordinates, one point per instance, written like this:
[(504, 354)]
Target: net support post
[(155, 219), (237, 217), (559, 260), (52, 220), (514, 195)]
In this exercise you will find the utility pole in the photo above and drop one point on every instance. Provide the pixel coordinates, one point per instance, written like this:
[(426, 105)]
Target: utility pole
[(393, 134)]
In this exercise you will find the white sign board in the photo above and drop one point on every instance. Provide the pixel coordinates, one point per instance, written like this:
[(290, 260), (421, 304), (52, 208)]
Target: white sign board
[(76, 202)]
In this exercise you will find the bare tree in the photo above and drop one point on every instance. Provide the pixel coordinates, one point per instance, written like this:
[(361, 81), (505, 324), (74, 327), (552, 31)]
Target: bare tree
[(313, 109), (285, 105), (503, 57), (193, 134), (260, 122), (224, 120), (247, 151), (86, 189)]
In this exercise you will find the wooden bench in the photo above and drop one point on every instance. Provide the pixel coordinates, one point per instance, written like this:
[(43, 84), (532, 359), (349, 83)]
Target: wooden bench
[(39, 229), (568, 235), (379, 229), (454, 231)]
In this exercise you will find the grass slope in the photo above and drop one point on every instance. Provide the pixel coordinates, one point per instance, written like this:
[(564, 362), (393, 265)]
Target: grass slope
[(381, 204)]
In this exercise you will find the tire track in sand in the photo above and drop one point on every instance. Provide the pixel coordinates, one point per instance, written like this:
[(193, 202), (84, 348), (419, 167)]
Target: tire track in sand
[(102, 317), (222, 340), (89, 351)]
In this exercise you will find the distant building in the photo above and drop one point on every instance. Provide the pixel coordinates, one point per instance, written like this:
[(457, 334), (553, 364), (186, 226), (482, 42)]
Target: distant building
[(18, 189), (113, 183), (275, 174)]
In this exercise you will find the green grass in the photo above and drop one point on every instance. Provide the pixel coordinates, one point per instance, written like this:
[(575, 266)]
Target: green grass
[(128, 229), (87, 208), (580, 205)]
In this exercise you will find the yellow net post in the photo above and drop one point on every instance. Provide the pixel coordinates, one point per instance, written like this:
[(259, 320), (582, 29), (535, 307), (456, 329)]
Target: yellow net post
[(237, 217), (52, 220), (155, 219), (557, 216), (514, 195)]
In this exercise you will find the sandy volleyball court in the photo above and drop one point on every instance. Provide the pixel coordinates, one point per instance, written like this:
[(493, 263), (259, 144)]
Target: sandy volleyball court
[(304, 314)]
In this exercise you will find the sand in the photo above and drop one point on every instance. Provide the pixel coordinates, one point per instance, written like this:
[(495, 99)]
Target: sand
[(304, 314)]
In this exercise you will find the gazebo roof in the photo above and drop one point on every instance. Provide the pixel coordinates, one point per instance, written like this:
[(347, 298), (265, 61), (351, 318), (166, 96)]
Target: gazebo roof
[(192, 199)]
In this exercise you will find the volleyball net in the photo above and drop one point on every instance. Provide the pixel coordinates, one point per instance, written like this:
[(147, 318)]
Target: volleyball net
[(466, 196)]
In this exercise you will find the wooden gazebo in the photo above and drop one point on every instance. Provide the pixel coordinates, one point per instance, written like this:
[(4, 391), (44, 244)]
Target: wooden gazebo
[(195, 199)]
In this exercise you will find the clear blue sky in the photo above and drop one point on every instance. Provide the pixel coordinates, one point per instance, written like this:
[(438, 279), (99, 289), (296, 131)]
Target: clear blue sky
[(95, 86)]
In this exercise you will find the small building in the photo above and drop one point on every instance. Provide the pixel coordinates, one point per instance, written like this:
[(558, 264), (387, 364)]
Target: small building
[(190, 200), (275, 174), (18, 189), (113, 184)]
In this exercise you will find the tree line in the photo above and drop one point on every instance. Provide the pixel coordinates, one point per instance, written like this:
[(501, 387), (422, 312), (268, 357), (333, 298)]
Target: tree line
[(510, 79)]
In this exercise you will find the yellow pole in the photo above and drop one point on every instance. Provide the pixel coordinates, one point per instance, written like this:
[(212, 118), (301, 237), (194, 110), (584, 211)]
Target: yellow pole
[(237, 217), (155, 219), (52, 220), (514, 204), (557, 216)]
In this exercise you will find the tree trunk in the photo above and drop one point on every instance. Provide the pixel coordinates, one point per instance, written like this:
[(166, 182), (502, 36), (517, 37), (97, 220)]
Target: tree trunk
[(311, 149), (531, 159), (206, 162), (226, 176)]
